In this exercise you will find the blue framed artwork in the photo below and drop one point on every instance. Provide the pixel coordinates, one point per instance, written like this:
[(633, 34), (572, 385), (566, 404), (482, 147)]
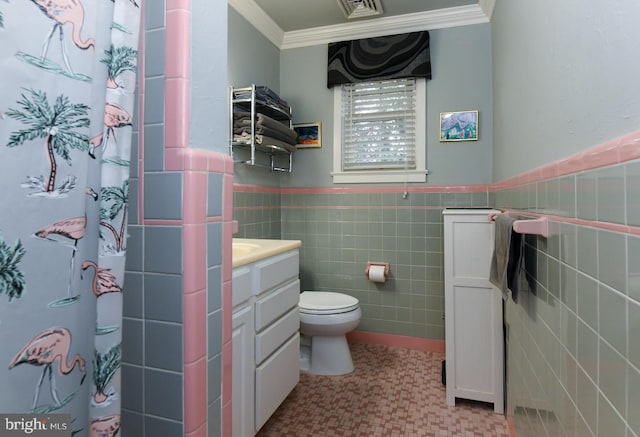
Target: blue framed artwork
[(309, 135), (459, 126)]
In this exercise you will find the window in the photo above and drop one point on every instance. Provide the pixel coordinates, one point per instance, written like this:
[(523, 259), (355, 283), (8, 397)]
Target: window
[(379, 132)]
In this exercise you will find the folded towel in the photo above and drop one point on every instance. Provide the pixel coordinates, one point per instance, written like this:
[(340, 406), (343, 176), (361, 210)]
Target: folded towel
[(507, 263), (266, 141)]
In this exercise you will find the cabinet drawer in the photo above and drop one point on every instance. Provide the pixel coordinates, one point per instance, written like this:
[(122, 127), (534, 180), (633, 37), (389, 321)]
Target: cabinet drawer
[(241, 282), (272, 337), (276, 303), (276, 270), (276, 378)]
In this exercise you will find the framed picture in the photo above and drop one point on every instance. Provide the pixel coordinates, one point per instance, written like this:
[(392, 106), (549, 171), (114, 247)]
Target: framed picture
[(459, 126), (309, 135)]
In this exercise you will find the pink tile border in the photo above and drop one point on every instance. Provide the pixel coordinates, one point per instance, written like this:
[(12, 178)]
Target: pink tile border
[(425, 344), (195, 397), (195, 326), (194, 257), (194, 197)]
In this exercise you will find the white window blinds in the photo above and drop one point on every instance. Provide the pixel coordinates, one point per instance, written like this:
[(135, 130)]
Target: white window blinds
[(379, 125)]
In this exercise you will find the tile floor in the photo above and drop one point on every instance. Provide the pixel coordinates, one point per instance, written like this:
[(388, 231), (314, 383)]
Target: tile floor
[(393, 392)]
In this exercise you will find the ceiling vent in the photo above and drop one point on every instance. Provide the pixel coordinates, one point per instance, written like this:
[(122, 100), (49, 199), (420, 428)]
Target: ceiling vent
[(360, 8)]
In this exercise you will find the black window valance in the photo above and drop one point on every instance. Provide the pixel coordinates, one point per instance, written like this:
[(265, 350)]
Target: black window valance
[(379, 58)]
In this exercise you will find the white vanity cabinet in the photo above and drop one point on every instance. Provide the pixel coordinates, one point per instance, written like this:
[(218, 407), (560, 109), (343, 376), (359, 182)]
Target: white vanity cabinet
[(473, 310), (264, 375)]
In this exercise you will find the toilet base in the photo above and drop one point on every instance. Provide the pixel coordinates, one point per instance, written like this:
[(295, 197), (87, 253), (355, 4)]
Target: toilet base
[(330, 356)]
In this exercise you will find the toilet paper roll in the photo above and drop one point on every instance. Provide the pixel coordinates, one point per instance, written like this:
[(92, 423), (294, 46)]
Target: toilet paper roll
[(376, 274)]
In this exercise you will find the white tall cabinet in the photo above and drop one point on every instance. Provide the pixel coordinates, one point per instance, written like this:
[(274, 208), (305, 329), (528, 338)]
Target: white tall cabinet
[(473, 310)]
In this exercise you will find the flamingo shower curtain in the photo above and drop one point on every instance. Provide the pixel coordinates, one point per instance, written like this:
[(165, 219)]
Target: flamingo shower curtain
[(68, 74)]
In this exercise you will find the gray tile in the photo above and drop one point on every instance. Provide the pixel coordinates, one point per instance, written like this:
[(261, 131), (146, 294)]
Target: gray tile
[(633, 403), (214, 327), (163, 196), (586, 196), (634, 326), (163, 297), (132, 341), (587, 355), (132, 393), (633, 193), (610, 421), (587, 400), (214, 378), (587, 301), (567, 196), (214, 194), (214, 419), (163, 345), (633, 266), (214, 289), (135, 243), (568, 287), (154, 52), (154, 14), (568, 251), (154, 100), (132, 424), (612, 376), (163, 394), (587, 247), (163, 249), (162, 427), (154, 148), (214, 244), (611, 197), (133, 167), (613, 318), (612, 259), (132, 295), (132, 207)]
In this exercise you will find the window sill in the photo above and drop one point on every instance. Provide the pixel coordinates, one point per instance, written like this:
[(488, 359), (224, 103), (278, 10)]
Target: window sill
[(379, 176)]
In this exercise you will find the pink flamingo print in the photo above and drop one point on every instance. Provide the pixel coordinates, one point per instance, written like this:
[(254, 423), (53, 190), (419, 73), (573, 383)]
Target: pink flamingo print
[(115, 116), (64, 12), (44, 350), (106, 426), (103, 280), (72, 229)]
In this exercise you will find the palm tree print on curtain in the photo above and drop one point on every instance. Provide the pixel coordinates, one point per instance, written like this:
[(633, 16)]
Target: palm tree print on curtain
[(2, 18), (114, 202), (105, 367), (57, 125), (54, 99), (12, 281), (119, 60)]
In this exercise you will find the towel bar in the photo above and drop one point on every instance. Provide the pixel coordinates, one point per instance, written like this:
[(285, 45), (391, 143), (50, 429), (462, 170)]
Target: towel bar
[(537, 226)]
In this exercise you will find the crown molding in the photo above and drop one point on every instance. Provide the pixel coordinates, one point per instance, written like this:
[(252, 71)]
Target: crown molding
[(255, 15), (430, 20)]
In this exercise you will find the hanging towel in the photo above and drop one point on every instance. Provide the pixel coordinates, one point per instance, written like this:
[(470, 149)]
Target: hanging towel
[(507, 263)]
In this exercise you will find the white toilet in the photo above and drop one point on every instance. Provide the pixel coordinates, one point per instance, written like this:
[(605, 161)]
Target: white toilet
[(325, 318)]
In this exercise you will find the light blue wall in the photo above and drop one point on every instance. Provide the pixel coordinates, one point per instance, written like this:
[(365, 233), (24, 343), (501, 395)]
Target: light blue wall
[(251, 59), (461, 68), (565, 76), (208, 124)]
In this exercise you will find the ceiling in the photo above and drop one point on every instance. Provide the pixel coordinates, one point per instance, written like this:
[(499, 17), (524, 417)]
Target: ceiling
[(300, 23)]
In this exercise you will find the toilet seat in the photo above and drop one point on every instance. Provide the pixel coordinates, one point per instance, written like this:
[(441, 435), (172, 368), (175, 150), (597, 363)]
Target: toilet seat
[(326, 302)]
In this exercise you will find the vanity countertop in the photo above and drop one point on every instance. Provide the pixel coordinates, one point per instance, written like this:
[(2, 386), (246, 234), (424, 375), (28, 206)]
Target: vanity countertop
[(248, 250)]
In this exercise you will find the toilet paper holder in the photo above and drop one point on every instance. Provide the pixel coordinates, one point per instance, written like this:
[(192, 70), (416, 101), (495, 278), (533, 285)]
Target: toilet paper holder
[(386, 268)]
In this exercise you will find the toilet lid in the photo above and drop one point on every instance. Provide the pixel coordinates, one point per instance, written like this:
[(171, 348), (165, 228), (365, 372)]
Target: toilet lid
[(326, 302)]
